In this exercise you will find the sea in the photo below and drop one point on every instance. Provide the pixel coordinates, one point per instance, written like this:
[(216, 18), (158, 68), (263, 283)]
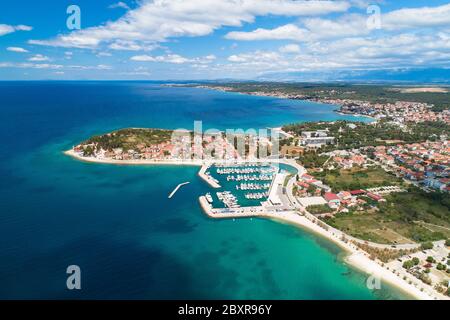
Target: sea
[(116, 223)]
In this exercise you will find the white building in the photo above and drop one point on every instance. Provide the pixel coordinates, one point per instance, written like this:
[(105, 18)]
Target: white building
[(316, 139)]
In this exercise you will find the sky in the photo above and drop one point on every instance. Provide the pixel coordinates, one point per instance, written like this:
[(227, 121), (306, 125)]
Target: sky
[(217, 39)]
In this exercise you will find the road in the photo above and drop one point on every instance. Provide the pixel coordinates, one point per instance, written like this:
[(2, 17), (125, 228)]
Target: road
[(290, 200)]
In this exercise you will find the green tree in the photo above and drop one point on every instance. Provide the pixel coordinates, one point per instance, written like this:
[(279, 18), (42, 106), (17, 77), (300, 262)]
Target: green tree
[(427, 246)]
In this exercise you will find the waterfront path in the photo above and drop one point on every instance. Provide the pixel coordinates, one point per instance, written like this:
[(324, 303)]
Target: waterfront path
[(357, 257)]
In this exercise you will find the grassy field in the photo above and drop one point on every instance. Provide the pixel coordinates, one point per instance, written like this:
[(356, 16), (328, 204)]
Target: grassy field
[(357, 178), (405, 217)]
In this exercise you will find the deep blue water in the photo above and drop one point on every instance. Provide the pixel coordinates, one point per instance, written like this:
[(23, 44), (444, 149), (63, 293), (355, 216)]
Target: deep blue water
[(116, 222)]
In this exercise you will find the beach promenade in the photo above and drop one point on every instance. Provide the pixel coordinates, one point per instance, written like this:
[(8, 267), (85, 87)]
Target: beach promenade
[(356, 257)]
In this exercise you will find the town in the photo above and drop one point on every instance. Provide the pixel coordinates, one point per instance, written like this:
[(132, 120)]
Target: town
[(379, 189)]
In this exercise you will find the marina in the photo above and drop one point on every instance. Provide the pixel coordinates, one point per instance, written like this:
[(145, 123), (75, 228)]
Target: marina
[(243, 184)]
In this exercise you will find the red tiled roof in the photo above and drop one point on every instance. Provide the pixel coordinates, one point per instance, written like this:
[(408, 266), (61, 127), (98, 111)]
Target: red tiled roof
[(329, 196), (357, 192), (374, 196)]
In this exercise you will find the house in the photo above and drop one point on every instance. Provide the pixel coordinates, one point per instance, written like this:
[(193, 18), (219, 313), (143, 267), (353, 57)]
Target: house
[(307, 177), (435, 183), (344, 195), (333, 200), (292, 150), (312, 201), (375, 197), (357, 192), (316, 139), (303, 184)]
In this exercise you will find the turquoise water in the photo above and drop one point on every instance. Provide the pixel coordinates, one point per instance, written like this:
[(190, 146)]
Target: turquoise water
[(116, 222)]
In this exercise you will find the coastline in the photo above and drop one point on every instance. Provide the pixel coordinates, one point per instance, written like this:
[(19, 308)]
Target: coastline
[(355, 257), (356, 115), (73, 154)]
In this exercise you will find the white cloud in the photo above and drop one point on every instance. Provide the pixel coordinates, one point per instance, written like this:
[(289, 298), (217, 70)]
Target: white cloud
[(173, 58), (68, 55), (104, 54), (53, 66), (119, 4), (156, 21), (96, 67), (314, 29), (290, 48), (39, 58), (350, 25), (396, 51), (210, 57), (286, 32), (30, 65), (17, 49), (5, 29), (417, 17), (237, 58), (129, 45), (255, 57), (345, 26), (22, 27)]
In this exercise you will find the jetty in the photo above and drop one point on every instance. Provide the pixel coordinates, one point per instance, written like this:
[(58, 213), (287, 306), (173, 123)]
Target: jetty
[(207, 177), (176, 189)]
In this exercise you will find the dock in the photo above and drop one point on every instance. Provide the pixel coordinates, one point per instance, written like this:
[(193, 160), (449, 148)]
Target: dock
[(176, 189), (207, 178)]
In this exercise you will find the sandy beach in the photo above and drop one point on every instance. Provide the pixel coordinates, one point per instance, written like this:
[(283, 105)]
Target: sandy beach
[(355, 256), (73, 154)]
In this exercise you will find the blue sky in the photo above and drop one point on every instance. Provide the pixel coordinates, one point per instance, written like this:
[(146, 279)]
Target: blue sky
[(210, 39)]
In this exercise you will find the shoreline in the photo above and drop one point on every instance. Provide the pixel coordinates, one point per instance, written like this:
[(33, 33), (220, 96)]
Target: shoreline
[(356, 115), (354, 256), (73, 154)]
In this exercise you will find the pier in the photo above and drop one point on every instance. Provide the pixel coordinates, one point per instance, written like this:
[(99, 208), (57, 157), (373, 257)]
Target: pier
[(208, 179), (176, 189)]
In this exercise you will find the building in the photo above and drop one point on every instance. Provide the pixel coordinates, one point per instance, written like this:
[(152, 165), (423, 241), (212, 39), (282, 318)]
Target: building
[(332, 199), (316, 139), (357, 192), (311, 201), (375, 197)]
